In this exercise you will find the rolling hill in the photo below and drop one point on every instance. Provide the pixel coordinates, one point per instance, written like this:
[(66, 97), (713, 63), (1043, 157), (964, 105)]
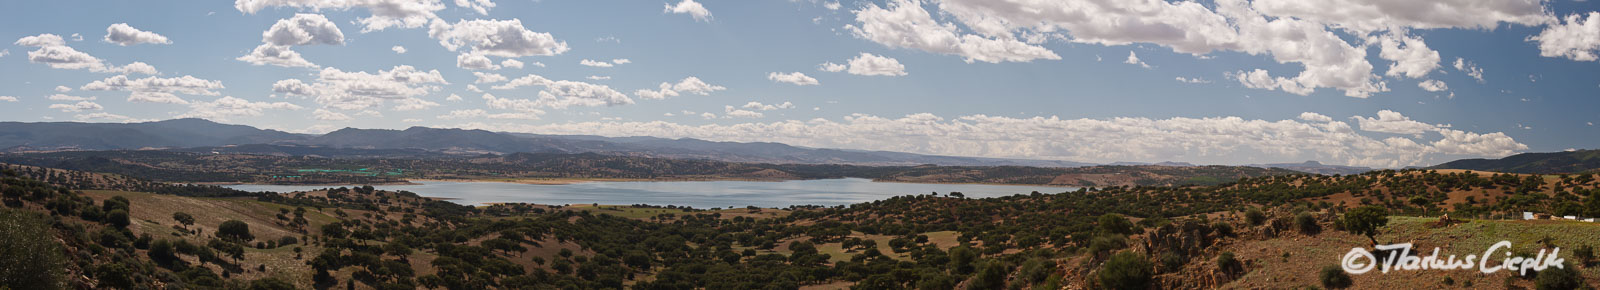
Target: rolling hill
[(1533, 163)]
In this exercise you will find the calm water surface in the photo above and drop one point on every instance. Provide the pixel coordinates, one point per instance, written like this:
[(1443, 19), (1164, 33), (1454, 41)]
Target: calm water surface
[(698, 194)]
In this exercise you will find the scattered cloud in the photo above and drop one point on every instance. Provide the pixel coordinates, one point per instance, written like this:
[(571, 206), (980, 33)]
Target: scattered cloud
[(125, 35), (302, 29), (488, 78), (765, 107), (156, 88), (1217, 140), (691, 85), (481, 6), (1433, 85), (587, 62), (361, 90), (1393, 122), (562, 94), (1470, 68), (1133, 58), (1574, 38), (54, 52), (905, 24), (384, 13), (398, 49), (499, 38), (61, 97), (1412, 58), (229, 107), (867, 64), (77, 107), (8, 98), (731, 112), (691, 8), (796, 78), (598, 78), (1314, 117), (156, 97), (1196, 80)]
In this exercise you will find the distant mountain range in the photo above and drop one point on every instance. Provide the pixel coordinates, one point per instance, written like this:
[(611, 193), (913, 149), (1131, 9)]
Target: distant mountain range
[(1533, 163), (203, 135), (1316, 167)]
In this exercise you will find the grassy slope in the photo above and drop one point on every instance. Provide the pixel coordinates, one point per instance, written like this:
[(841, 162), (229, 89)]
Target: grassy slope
[(152, 213), (1269, 268)]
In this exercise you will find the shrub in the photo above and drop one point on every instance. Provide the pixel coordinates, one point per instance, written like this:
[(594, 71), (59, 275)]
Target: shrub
[(1228, 264), (1334, 277), (1558, 278), (1255, 216), (1307, 224), (1125, 270), (235, 231), (29, 255), (1115, 224)]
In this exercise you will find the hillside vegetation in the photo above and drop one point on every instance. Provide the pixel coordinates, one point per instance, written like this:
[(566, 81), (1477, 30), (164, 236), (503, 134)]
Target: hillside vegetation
[(1276, 232), (177, 166)]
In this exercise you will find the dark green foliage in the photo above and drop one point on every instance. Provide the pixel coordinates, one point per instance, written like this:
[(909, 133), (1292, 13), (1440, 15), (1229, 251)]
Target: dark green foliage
[(29, 256), (1255, 216), (1564, 278), (118, 218), (1334, 277), (270, 283), (1228, 264), (1584, 255), (1115, 224), (163, 252), (1307, 224), (991, 275), (1126, 271), (183, 218), (235, 231), (114, 275), (1036, 270), (1366, 221)]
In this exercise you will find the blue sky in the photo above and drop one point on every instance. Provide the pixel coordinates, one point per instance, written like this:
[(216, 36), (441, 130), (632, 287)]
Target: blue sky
[(953, 77)]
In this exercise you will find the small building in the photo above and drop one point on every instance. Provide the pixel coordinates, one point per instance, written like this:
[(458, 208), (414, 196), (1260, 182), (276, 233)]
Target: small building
[(1588, 220), (1570, 217), (1527, 215)]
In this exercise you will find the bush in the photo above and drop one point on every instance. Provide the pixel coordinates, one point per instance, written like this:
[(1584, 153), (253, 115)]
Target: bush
[(1255, 216), (1307, 224), (1115, 224), (992, 275), (29, 255), (1334, 277), (1125, 270), (235, 231), (1558, 278), (1228, 264), (118, 218), (1171, 262)]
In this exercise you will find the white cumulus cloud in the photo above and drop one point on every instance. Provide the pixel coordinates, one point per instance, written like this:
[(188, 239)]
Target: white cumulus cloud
[(796, 78), (125, 35)]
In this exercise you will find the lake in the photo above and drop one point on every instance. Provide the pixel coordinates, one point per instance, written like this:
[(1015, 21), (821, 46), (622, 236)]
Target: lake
[(698, 194)]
